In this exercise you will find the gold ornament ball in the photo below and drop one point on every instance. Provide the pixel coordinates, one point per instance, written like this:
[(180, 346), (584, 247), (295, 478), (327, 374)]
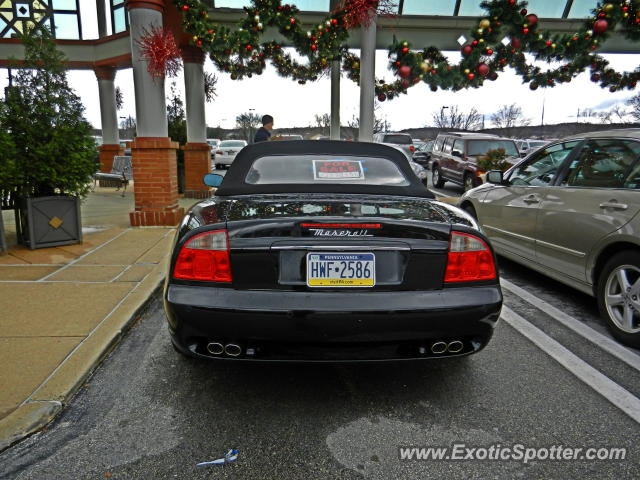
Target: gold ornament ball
[(425, 67), (485, 23), (480, 31), (466, 70), (608, 7), (481, 40), (553, 45), (195, 39), (257, 18)]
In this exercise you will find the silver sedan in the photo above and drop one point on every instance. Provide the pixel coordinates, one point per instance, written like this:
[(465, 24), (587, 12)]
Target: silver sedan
[(570, 211)]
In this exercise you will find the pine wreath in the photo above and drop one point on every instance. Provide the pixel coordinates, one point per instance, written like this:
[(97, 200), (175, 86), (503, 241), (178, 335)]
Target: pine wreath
[(500, 39)]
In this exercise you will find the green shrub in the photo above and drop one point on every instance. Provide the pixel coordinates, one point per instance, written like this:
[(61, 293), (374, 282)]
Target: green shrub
[(493, 160), (52, 150)]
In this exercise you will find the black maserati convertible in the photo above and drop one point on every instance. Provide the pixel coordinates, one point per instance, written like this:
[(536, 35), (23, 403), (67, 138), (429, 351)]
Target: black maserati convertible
[(334, 251)]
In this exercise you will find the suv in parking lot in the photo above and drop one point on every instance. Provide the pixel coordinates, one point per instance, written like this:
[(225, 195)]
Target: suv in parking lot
[(403, 141), (454, 157)]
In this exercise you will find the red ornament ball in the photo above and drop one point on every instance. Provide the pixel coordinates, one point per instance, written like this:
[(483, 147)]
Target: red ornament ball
[(185, 8), (249, 47), (595, 77), (405, 50), (523, 11), (600, 26), (483, 69), (404, 71), (532, 19), (471, 76), (516, 43), (382, 97), (512, 2), (314, 47), (293, 20), (493, 76), (466, 50), (489, 51), (474, 43), (405, 83), (525, 30)]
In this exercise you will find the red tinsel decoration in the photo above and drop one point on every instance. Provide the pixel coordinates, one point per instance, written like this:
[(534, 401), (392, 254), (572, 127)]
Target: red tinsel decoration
[(356, 12), (159, 49)]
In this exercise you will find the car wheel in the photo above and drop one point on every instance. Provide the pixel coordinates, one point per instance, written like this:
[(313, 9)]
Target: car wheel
[(436, 177), (619, 296), (468, 182)]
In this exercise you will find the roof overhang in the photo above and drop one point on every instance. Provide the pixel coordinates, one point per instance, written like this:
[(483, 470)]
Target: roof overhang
[(421, 31)]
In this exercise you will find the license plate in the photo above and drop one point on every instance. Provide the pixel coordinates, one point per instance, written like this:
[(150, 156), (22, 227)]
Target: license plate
[(341, 269)]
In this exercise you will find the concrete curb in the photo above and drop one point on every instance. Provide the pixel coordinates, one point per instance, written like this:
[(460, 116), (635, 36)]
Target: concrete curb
[(49, 399)]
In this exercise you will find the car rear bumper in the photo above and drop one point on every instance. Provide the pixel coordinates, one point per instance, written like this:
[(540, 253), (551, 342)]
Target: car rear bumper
[(330, 326)]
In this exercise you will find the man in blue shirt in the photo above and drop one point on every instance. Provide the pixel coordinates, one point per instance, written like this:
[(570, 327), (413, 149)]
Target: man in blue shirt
[(264, 132)]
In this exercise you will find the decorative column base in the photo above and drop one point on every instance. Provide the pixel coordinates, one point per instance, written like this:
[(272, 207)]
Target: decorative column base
[(197, 163), (155, 179), (107, 152)]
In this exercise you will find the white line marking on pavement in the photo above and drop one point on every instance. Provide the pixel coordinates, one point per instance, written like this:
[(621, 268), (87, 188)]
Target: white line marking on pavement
[(84, 255), (602, 384), (598, 339)]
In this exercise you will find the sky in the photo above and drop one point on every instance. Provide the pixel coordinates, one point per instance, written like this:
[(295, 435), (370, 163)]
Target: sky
[(294, 105)]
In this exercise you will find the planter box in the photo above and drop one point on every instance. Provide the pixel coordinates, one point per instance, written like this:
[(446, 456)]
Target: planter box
[(49, 222)]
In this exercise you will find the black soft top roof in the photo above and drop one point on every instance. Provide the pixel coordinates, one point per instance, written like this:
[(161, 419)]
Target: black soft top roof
[(234, 181)]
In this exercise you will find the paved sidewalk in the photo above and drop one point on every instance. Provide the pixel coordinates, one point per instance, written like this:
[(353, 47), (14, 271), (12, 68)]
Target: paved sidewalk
[(64, 308)]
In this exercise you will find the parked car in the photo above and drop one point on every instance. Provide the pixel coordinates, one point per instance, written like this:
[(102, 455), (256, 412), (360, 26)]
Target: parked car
[(422, 153), (328, 251), (399, 140), (454, 157), (285, 137), (227, 151), (213, 143), (528, 145), (570, 211)]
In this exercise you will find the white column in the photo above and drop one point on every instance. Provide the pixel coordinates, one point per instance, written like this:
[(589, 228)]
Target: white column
[(194, 96), (367, 78), (151, 111), (108, 110), (335, 100)]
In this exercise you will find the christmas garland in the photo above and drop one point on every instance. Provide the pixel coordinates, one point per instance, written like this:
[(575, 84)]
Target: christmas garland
[(501, 39)]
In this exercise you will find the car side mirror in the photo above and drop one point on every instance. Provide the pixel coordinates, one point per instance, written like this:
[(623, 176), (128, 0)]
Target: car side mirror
[(212, 179), (457, 153), (495, 177)]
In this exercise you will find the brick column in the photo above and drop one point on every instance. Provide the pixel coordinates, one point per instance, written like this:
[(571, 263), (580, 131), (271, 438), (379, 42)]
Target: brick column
[(107, 152), (153, 153), (156, 182), (197, 163), (197, 156)]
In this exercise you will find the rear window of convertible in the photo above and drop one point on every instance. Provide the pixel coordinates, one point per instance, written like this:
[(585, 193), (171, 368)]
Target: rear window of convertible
[(325, 169)]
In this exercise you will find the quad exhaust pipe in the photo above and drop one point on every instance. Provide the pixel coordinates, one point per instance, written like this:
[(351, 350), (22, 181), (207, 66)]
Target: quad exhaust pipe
[(439, 347), (230, 349)]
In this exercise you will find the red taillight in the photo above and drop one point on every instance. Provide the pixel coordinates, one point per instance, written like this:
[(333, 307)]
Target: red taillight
[(219, 152), (469, 259), (205, 257), (412, 148)]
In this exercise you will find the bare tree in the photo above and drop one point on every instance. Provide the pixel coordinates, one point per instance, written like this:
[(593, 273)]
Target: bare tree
[(634, 103), (323, 121), (509, 116), (128, 127), (616, 114), (379, 124), (248, 123), (452, 117)]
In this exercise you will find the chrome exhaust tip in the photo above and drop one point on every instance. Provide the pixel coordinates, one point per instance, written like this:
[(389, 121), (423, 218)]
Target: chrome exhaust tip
[(232, 349), (438, 347), (215, 348), (455, 347)]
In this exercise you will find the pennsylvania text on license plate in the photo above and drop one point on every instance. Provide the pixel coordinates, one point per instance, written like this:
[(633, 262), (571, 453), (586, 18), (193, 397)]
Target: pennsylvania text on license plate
[(341, 270)]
